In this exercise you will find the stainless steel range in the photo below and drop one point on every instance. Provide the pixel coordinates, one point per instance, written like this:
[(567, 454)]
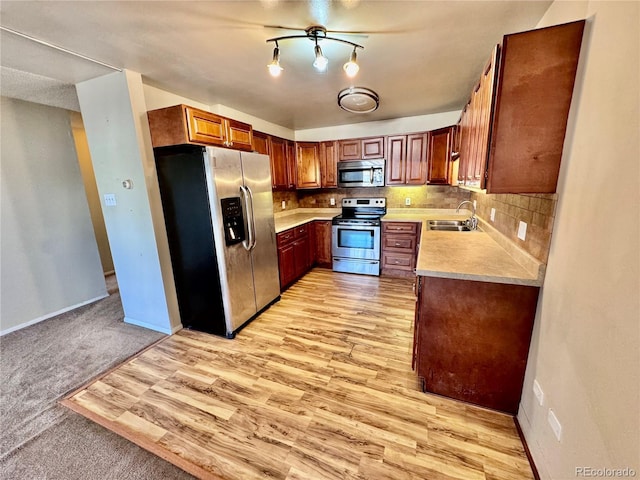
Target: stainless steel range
[(355, 236)]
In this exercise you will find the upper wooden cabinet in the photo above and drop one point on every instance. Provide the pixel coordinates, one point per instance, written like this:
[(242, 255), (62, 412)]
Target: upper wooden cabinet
[(282, 155), (513, 128), (407, 159), (361, 148), (328, 164), (181, 124), (261, 143), (439, 156), (308, 165)]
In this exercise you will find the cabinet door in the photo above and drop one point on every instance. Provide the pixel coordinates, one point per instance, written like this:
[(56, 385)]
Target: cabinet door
[(417, 148), (323, 243), (239, 135), (396, 159), (439, 156), (349, 149), (261, 143), (372, 148), (291, 165), (279, 172), (301, 256), (286, 263), (205, 127), (328, 164), (307, 165)]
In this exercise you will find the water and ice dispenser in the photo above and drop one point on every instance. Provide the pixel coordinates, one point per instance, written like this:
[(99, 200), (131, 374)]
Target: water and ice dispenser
[(232, 220)]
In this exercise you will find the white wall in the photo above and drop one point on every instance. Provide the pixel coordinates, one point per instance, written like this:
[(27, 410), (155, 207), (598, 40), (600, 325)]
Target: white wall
[(114, 112), (420, 123), (586, 346), (49, 257)]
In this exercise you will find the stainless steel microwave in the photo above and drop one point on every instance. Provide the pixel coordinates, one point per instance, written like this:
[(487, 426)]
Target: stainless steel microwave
[(361, 173)]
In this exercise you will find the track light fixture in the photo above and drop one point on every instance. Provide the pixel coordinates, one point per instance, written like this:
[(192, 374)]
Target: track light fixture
[(315, 34), (274, 67)]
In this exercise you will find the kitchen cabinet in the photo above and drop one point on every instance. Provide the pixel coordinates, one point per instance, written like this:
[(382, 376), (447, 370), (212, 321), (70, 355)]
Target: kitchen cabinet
[(279, 165), (291, 165), (182, 124), (361, 148), (399, 248), (439, 156), (328, 164), (322, 235), (308, 165), (407, 159), (471, 339), (261, 143), (294, 258), (513, 128)]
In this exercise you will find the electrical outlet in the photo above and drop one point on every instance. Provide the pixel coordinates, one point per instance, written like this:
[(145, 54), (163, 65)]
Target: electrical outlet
[(110, 199), (284, 204), (332, 201), (493, 215), (537, 391), (407, 201), (555, 424), (522, 231)]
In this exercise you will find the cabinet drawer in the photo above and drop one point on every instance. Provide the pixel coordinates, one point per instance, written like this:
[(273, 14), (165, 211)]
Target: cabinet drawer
[(283, 238), (400, 227), (398, 261), (301, 230), (399, 242)]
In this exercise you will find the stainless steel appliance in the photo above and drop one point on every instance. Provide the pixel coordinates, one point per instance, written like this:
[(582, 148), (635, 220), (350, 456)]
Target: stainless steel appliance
[(218, 211), (361, 173), (355, 236)]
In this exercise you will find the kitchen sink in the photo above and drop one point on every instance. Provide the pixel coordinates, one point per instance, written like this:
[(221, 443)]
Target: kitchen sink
[(448, 225)]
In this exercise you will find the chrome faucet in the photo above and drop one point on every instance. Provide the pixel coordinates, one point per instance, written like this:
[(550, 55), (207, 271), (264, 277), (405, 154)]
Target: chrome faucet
[(472, 221)]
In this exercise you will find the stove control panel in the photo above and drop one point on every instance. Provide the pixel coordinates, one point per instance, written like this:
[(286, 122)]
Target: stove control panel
[(364, 202)]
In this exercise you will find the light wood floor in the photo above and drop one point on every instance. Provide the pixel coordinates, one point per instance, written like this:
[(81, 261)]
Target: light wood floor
[(319, 386)]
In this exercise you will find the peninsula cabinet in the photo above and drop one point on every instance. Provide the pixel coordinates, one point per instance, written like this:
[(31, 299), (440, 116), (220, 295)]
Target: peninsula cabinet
[(361, 148), (513, 128), (329, 164), (182, 124), (407, 159), (308, 165), (471, 340)]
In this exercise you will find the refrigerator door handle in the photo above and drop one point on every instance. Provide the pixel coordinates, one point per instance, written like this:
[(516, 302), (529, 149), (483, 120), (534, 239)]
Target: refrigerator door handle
[(248, 242), (253, 221)]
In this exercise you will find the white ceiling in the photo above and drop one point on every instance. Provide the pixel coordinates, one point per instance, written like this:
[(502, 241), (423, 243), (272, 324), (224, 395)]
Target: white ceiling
[(421, 57)]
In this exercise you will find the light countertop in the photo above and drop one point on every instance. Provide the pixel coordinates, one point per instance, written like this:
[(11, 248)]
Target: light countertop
[(484, 255)]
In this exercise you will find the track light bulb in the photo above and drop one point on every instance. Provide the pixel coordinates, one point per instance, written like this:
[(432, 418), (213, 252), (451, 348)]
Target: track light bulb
[(320, 63), (274, 67), (351, 67)]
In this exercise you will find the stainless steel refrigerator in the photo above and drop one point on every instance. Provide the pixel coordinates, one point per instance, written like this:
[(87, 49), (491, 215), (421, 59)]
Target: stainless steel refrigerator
[(218, 211)]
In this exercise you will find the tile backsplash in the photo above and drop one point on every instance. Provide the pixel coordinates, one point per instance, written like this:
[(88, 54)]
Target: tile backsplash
[(536, 210)]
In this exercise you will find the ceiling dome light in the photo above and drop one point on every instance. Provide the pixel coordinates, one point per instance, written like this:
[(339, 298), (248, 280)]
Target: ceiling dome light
[(358, 100), (320, 63), (351, 67), (274, 67)]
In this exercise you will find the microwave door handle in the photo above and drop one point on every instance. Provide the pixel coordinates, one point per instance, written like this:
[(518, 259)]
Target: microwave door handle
[(371, 175)]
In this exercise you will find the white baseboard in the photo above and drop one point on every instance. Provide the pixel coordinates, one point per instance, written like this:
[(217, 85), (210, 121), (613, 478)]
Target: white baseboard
[(50, 315), (155, 328)]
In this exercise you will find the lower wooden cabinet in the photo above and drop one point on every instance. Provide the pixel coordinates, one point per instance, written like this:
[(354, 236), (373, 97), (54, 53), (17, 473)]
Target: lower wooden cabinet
[(399, 248), (322, 231), (294, 255), (471, 340)]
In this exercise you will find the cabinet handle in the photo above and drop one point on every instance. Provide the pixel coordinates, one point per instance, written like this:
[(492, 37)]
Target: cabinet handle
[(397, 244)]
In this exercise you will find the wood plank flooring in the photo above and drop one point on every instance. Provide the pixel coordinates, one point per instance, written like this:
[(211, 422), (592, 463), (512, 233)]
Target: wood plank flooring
[(319, 386)]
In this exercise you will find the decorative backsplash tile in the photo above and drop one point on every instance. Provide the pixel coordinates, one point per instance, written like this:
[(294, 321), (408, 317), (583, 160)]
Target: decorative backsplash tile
[(536, 210)]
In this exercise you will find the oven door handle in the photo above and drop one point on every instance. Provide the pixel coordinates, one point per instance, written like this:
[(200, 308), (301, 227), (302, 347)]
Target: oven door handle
[(372, 228)]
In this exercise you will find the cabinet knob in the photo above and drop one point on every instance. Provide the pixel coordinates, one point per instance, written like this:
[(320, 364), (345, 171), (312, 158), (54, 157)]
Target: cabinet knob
[(397, 244)]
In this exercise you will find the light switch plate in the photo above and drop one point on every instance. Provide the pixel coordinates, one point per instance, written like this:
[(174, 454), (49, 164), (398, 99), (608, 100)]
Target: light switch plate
[(332, 201), (537, 391), (522, 231), (493, 215), (110, 199), (407, 201), (555, 424)]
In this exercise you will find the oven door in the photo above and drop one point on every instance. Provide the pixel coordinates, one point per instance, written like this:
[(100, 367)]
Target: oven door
[(354, 241)]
